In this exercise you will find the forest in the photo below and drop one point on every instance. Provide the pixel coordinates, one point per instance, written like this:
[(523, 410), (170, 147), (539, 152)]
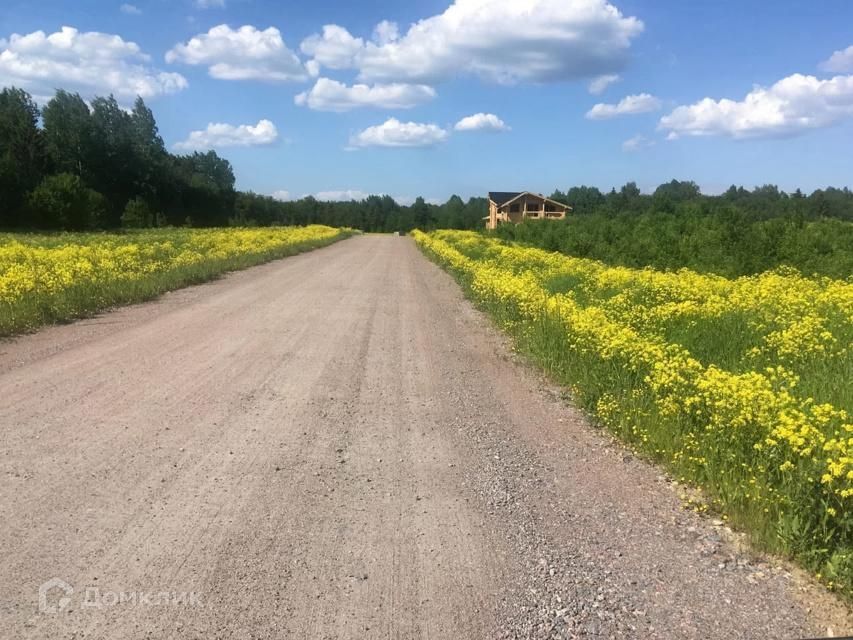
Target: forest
[(73, 165), (737, 233)]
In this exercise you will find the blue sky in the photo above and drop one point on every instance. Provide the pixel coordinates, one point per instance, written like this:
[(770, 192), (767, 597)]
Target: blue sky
[(718, 92)]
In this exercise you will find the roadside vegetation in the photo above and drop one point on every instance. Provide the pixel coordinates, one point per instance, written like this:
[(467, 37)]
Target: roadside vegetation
[(56, 277), (740, 386)]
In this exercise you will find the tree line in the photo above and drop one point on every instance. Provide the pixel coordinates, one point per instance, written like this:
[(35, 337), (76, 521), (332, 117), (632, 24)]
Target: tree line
[(767, 201), (75, 165), (737, 233), (372, 214)]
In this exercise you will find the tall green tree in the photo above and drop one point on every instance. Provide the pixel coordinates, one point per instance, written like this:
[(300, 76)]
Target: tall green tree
[(204, 186), (22, 154), (583, 199), (68, 134), (115, 167), (475, 210), (454, 210), (420, 213), (677, 191), (149, 153)]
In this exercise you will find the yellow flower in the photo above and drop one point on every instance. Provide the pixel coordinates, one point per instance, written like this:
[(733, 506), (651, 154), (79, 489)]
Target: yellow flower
[(744, 383)]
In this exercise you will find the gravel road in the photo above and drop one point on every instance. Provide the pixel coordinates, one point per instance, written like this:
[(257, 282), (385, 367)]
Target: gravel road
[(337, 445)]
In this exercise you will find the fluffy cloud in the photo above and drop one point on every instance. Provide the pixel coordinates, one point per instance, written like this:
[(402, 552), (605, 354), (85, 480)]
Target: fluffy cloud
[(793, 105), (600, 84), (246, 53), (500, 40), (640, 103), (130, 9), (283, 195), (336, 48), (481, 122), (393, 133), (839, 61), (386, 32), (331, 95), (229, 135), (636, 143), (346, 195), (341, 196), (91, 63), (209, 4)]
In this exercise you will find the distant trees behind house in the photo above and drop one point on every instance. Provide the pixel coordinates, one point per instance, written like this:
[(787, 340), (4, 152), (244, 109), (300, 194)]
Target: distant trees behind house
[(373, 214), (763, 202), (737, 233)]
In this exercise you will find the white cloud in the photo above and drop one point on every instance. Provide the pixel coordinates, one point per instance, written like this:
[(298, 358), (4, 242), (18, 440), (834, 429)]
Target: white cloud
[(246, 53), (347, 195), (90, 63), (130, 9), (218, 135), (636, 143), (341, 196), (600, 84), (385, 32), (793, 105), (336, 48), (209, 4), (313, 68), (331, 95), (629, 105), (839, 61), (500, 40), (405, 201), (481, 122), (393, 133)]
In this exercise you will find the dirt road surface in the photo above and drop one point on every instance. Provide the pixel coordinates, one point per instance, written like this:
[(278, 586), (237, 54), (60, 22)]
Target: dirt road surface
[(337, 445)]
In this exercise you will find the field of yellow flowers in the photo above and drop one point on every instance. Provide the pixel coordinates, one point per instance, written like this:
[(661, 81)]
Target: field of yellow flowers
[(50, 278), (742, 387)]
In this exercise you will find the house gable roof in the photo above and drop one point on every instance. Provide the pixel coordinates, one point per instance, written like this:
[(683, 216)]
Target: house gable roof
[(538, 196), (500, 198)]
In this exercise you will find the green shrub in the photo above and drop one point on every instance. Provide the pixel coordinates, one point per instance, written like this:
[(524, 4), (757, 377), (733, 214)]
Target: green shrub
[(63, 201), (137, 215)]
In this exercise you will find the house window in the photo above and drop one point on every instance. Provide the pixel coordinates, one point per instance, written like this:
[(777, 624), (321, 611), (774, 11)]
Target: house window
[(514, 208), (551, 207)]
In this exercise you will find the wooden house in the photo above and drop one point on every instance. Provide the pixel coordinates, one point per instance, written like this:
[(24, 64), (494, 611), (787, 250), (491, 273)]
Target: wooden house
[(515, 206)]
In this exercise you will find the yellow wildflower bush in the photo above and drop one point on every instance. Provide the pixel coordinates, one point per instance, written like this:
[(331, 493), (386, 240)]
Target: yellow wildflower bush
[(45, 278), (741, 386)]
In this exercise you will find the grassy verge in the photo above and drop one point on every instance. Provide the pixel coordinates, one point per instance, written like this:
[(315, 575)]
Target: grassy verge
[(54, 278), (737, 387)]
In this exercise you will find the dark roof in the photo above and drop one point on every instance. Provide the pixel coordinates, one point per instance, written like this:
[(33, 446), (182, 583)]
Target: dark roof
[(502, 197)]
